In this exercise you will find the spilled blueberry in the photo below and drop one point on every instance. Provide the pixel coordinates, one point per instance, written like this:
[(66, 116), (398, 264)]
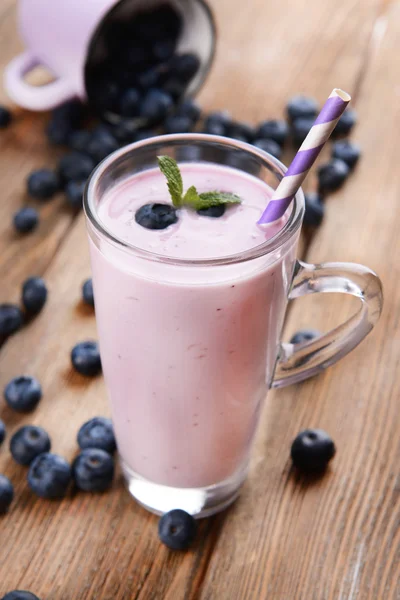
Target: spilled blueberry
[(79, 140), (345, 123), (20, 595), (49, 476), (11, 319), (130, 103), (155, 105), (87, 292), (314, 209), (301, 107), (27, 443), (312, 450), (93, 470), (101, 144), (177, 124), (85, 358), (241, 131), (26, 219), (34, 295), (184, 66), (6, 494), (347, 151), (74, 191), (269, 146), (43, 184), (273, 129), (177, 529), (97, 433), (23, 393), (5, 117), (332, 175), (75, 166), (156, 216), (189, 108), (2, 432), (300, 129)]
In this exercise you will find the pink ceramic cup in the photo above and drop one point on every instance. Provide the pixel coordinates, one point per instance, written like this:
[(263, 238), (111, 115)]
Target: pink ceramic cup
[(59, 35)]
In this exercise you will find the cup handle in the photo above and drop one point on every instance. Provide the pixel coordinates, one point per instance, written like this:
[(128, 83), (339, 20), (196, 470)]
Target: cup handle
[(297, 362), (29, 96)]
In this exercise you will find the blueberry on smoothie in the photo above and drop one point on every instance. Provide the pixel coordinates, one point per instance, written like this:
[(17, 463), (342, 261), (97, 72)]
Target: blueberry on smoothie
[(212, 211), (156, 216), (312, 450), (177, 529)]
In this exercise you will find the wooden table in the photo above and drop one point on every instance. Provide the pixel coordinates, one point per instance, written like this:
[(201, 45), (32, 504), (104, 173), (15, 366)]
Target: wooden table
[(286, 538)]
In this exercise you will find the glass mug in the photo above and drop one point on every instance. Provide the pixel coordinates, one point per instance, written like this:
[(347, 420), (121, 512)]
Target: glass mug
[(184, 426)]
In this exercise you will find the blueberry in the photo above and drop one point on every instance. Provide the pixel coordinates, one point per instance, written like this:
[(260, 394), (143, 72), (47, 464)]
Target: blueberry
[(304, 335), (75, 166), (20, 595), (174, 88), (97, 433), (129, 104), (11, 319), (101, 145), (124, 131), (93, 470), (242, 131), (185, 66), (6, 493), (58, 133), (156, 216), (149, 79), (74, 193), (346, 151), (87, 292), (27, 443), (23, 393), (314, 210), (300, 129), (34, 295), (177, 529), (164, 49), (312, 449), (43, 184), (155, 105), (332, 175), (71, 113), (274, 129), (269, 146), (26, 219), (2, 432), (85, 358), (214, 128), (212, 211), (177, 124), (79, 140), (49, 476), (143, 134), (5, 117), (219, 116), (345, 123), (301, 107), (189, 108)]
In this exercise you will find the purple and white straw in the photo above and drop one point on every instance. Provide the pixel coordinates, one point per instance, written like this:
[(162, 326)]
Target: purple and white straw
[(316, 139)]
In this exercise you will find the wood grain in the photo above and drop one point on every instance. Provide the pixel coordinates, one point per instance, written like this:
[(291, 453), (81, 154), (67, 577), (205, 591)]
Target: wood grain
[(286, 538)]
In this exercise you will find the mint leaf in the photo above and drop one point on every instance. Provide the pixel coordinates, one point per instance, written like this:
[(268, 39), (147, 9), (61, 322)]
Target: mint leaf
[(207, 199), (169, 168), (191, 198)]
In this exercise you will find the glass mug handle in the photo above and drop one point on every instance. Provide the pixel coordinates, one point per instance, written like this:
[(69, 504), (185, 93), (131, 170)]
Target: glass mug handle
[(300, 361)]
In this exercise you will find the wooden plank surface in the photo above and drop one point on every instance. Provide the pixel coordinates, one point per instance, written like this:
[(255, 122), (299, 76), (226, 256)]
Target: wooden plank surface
[(285, 538)]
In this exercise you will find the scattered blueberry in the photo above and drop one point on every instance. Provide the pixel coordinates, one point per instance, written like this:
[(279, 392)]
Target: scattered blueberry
[(5, 117), (269, 146), (87, 292), (332, 175), (219, 116), (27, 443), (125, 131), (155, 105), (93, 470), (156, 216), (74, 193), (34, 295), (2, 432), (189, 108), (304, 335), (273, 129), (6, 493), (43, 184), (75, 166), (85, 358), (301, 107), (214, 128), (49, 476), (26, 219), (185, 66), (102, 143), (314, 210), (174, 88), (143, 134), (11, 319), (212, 211), (58, 133), (177, 529), (177, 124), (346, 151), (149, 79), (312, 449), (23, 393), (20, 595), (71, 113), (345, 123), (130, 103), (79, 140), (242, 131), (164, 49), (300, 129), (97, 433)]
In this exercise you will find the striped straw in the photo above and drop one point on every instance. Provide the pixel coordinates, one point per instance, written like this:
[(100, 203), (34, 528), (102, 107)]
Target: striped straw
[(303, 161)]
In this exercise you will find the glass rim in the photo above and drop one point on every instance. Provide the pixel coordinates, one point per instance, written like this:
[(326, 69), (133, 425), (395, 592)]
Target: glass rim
[(279, 239)]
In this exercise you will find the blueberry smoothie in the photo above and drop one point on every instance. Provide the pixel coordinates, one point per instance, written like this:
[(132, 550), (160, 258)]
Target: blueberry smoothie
[(188, 348)]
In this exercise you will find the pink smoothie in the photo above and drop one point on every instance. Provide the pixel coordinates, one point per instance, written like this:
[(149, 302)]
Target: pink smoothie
[(188, 351)]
